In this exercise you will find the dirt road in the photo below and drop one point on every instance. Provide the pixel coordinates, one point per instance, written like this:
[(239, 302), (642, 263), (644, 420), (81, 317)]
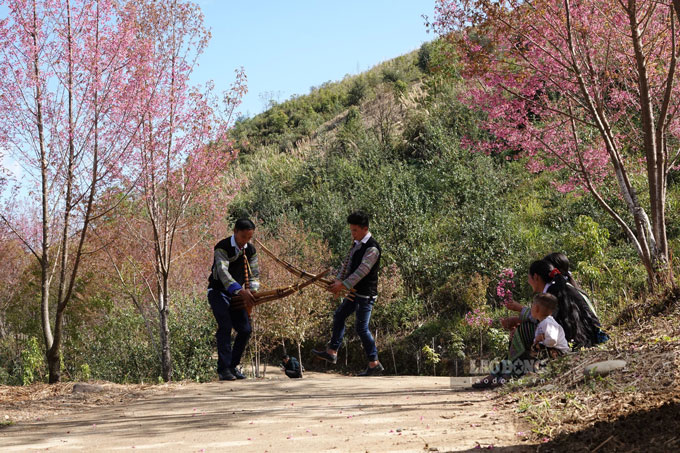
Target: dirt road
[(322, 412)]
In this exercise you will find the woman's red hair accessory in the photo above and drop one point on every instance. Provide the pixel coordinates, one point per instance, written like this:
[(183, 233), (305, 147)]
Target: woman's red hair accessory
[(554, 272)]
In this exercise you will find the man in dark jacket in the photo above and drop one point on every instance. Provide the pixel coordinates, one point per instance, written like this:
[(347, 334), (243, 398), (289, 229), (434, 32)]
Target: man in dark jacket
[(291, 367), (359, 275), (235, 270)]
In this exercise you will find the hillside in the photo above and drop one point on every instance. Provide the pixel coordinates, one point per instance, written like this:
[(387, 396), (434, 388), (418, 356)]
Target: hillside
[(450, 220), (389, 141)]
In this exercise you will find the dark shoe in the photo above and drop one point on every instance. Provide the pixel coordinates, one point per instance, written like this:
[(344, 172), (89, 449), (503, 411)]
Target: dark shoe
[(237, 374), (226, 376), (373, 371), (325, 356)]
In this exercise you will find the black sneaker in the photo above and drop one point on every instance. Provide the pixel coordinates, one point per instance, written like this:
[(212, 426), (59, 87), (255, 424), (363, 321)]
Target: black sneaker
[(237, 374), (372, 371), (226, 376), (325, 356)]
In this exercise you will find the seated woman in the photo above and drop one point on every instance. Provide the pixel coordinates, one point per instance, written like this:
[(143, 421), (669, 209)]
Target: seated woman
[(561, 262), (581, 326)]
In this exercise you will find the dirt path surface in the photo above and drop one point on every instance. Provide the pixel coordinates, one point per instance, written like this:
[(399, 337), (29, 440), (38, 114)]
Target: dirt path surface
[(319, 413)]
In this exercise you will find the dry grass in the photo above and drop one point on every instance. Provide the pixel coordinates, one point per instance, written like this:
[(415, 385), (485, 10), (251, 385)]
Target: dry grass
[(37, 401)]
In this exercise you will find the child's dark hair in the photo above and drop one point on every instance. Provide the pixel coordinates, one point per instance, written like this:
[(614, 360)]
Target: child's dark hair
[(358, 218), (547, 301), (244, 224)]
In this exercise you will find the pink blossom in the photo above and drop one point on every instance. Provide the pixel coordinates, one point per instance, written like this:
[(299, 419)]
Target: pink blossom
[(558, 84), (478, 318)]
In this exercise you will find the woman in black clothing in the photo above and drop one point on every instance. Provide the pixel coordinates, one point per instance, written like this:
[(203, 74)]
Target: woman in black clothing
[(581, 326)]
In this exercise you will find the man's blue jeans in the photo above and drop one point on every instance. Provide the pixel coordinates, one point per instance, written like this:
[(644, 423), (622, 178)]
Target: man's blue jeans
[(363, 307), (228, 318)]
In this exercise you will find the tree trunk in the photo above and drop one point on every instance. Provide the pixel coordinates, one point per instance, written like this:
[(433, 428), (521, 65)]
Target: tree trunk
[(164, 312), (45, 256), (655, 158), (299, 348), (394, 360), (45, 301), (649, 238), (54, 363), (434, 363), (257, 359), (54, 353)]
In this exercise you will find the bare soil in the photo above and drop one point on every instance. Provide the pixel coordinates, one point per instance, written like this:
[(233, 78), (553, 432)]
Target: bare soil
[(322, 412)]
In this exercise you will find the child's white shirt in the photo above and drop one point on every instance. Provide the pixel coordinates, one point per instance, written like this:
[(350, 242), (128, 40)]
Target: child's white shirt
[(554, 334)]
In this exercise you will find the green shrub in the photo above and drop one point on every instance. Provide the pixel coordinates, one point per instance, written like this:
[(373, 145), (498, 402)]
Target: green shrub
[(400, 88), (424, 55), (192, 333), (461, 292), (431, 356), (391, 75), (32, 362), (357, 92), (85, 373)]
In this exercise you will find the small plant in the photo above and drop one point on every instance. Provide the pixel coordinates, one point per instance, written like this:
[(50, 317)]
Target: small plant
[(400, 88), (457, 347), (505, 286), (537, 412), (431, 356), (85, 373), (31, 360), (480, 320), (497, 340)]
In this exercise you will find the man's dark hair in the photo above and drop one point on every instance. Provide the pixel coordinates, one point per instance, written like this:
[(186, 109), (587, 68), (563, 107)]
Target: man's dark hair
[(244, 224), (359, 218), (547, 301), (285, 356)]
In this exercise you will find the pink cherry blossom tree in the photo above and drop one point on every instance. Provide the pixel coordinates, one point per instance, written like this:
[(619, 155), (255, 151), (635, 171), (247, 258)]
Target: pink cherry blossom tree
[(587, 90), (181, 153), (69, 95)]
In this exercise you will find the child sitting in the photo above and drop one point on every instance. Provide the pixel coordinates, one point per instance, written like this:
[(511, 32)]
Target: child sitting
[(549, 334)]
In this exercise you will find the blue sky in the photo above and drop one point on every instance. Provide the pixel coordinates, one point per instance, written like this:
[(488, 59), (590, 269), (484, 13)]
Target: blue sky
[(288, 47)]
